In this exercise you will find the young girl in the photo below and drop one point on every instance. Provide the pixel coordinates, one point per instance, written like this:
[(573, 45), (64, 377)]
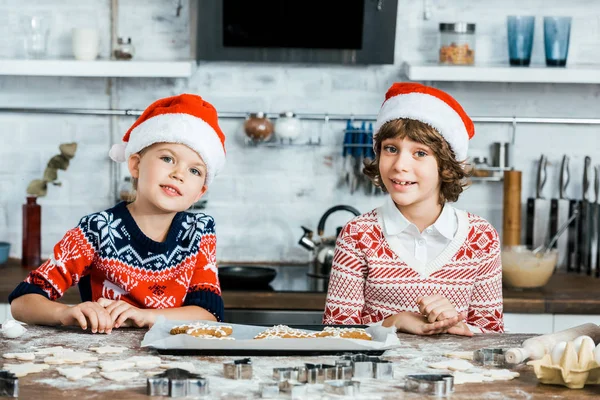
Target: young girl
[(139, 260), (416, 262)]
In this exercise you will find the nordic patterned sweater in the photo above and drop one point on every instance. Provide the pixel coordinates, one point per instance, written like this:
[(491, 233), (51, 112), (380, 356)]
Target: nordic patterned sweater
[(109, 254), (369, 281)]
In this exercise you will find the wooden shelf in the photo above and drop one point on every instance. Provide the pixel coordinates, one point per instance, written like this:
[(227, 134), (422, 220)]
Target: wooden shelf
[(98, 68), (584, 74)]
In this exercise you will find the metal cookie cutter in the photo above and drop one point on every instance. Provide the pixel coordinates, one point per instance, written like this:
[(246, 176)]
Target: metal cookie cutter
[(439, 385), (364, 366), (269, 389), (318, 373), (290, 373), (294, 388), (342, 387), (238, 369), (176, 382), (490, 357), (9, 384)]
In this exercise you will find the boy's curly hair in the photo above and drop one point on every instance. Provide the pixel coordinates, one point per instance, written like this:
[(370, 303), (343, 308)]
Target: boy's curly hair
[(453, 174)]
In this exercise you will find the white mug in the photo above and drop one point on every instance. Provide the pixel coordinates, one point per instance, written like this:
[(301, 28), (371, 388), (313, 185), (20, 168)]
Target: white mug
[(85, 43)]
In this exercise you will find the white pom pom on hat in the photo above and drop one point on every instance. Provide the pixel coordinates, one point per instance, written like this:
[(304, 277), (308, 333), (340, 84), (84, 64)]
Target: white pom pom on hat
[(187, 119), (432, 106)]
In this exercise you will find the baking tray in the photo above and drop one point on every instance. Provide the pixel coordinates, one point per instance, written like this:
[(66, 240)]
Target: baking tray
[(159, 338)]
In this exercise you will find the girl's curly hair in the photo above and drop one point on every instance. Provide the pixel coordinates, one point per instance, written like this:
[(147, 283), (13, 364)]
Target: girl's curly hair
[(453, 174)]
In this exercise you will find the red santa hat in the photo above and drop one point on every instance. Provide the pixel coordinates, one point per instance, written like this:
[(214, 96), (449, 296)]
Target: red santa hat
[(432, 106), (185, 119)]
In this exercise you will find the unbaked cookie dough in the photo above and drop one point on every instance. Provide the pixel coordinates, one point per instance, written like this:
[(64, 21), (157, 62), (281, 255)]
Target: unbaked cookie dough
[(20, 356), (109, 349), (21, 370), (75, 373)]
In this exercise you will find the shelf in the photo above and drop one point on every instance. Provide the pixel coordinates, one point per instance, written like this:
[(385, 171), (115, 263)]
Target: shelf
[(486, 178), (589, 74), (98, 68)]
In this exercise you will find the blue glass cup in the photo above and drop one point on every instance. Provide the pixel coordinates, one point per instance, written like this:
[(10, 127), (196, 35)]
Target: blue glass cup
[(557, 32), (520, 39)]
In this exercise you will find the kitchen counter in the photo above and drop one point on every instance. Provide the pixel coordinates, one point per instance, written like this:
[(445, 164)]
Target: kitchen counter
[(413, 356), (293, 290)]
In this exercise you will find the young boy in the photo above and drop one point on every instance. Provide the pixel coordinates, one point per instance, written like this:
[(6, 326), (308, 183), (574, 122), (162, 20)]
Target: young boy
[(416, 262), (138, 260)]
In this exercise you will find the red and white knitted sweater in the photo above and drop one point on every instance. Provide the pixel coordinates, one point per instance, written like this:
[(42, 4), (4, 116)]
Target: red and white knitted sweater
[(369, 281)]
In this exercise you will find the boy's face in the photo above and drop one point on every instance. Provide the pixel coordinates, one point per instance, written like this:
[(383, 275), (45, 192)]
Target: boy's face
[(409, 171), (171, 176)]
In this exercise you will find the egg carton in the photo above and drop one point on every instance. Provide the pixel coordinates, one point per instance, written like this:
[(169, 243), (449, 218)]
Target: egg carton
[(574, 369)]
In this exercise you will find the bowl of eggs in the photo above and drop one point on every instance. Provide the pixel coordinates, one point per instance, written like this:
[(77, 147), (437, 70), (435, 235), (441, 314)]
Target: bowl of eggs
[(572, 364), (522, 269)]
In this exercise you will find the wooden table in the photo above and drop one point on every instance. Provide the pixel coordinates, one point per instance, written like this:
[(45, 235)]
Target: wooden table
[(412, 357), (564, 294)]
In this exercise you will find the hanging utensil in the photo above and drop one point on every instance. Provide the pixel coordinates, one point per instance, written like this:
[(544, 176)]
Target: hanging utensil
[(595, 222), (559, 213), (585, 216), (552, 239), (538, 210)]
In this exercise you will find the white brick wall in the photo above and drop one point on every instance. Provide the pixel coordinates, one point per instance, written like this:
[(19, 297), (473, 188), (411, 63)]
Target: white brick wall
[(265, 194)]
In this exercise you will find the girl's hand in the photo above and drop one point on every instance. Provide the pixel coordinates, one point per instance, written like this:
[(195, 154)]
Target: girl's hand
[(460, 329), (87, 314), (122, 312), (409, 322), (436, 308)]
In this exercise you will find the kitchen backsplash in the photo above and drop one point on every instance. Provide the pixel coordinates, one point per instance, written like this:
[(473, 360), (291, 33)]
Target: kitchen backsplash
[(265, 194)]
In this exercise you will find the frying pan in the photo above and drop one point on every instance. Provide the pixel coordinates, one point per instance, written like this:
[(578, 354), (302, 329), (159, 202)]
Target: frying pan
[(245, 276)]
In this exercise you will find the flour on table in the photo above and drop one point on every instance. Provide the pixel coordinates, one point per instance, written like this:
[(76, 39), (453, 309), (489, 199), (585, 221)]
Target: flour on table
[(453, 365), (188, 366), (119, 376), (21, 370), (117, 365), (75, 373), (20, 356), (463, 355), (73, 357), (109, 349), (145, 361)]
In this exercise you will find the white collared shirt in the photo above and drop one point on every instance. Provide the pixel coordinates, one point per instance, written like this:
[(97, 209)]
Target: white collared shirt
[(423, 246)]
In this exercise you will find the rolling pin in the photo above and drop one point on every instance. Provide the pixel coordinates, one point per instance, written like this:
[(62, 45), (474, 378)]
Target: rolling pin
[(536, 347)]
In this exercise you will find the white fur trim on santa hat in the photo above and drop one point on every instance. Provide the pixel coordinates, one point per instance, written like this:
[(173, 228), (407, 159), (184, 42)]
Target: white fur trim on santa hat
[(432, 111), (180, 128)]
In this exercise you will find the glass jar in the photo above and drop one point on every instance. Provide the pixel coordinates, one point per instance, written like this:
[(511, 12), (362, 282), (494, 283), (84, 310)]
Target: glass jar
[(457, 43), (258, 127), (124, 50)]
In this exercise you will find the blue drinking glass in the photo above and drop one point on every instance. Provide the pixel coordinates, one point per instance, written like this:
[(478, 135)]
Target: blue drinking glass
[(557, 31), (520, 39)]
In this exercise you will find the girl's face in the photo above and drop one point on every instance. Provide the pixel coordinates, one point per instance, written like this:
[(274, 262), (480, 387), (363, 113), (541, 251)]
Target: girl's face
[(170, 176), (409, 171)]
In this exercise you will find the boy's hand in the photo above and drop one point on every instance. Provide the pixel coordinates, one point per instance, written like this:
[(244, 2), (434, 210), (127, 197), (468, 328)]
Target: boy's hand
[(409, 322), (436, 308), (121, 311), (87, 314)]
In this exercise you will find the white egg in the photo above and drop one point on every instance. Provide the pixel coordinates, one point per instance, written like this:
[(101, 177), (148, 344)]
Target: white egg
[(12, 329), (578, 342), (597, 354), (557, 352)]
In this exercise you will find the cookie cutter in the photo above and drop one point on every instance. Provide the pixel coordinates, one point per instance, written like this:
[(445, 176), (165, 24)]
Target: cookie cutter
[(294, 388), (176, 382), (439, 385), (269, 389), (318, 373), (364, 366), (342, 387), (290, 373), (490, 357), (9, 384), (238, 369)]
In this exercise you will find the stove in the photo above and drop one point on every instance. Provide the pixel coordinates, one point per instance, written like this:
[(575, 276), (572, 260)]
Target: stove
[(289, 278)]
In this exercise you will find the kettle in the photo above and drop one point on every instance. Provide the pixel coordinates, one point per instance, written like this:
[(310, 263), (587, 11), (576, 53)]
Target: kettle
[(322, 249)]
